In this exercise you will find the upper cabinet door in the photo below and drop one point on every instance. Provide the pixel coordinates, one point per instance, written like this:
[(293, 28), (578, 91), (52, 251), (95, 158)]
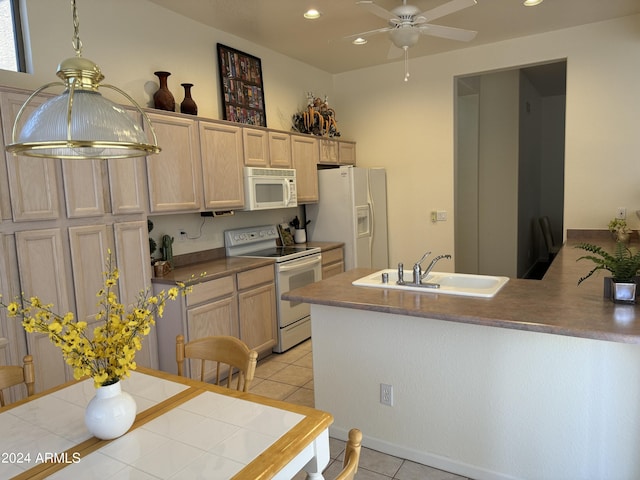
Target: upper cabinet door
[(175, 174), (83, 190), (305, 160), (328, 151), (33, 182), (222, 165), (280, 149), (256, 147), (347, 153), (127, 185)]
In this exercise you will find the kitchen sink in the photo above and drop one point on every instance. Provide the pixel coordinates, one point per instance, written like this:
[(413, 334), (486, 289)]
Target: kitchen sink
[(464, 284)]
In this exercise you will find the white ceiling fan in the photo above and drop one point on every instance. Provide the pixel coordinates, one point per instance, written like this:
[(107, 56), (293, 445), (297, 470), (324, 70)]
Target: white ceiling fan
[(406, 23)]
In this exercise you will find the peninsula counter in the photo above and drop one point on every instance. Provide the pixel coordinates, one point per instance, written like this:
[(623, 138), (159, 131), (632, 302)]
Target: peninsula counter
[(540, 382)]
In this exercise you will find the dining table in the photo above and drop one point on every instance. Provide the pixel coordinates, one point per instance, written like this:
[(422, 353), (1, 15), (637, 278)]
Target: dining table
[(183, 429)]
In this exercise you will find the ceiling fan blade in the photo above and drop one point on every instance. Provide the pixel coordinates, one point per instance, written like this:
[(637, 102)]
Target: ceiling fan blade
[(451, 33), (445, 9), (377, 10), (370, 32)]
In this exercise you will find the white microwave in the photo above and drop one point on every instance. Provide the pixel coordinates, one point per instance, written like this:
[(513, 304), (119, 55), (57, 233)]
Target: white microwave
[(266, 188)]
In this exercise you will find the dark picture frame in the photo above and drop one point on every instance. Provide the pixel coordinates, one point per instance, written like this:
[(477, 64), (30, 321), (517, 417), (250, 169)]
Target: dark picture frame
[(241, 86)]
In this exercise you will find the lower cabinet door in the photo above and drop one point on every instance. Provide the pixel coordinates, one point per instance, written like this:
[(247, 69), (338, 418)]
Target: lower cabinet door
[(257, 314), (213, 318)]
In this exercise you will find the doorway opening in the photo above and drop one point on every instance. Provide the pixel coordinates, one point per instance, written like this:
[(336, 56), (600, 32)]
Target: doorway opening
[(509, 168)]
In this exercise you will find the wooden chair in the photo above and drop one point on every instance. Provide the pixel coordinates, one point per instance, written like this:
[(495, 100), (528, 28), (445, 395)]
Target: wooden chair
[(11, 375), (351, 455), (225, 351)]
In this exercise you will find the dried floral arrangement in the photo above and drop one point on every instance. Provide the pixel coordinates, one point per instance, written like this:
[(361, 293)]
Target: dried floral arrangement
[(317, 119)]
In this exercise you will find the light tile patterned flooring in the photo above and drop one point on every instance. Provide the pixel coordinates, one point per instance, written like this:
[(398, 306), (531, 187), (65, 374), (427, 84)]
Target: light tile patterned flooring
[(289, 377)]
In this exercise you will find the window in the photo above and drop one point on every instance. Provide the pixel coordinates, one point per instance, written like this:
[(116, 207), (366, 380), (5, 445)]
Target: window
[(11, 45)]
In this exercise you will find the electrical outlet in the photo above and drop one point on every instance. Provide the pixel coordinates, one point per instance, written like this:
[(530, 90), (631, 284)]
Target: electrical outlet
[(442, 216), (386, 394), (182, 234), (621, 213)]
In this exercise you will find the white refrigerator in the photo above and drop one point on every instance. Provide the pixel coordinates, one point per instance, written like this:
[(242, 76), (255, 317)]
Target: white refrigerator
[(352, 208)]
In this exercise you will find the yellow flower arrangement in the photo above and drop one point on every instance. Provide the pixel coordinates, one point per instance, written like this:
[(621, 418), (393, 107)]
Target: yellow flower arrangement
[(109, 355)]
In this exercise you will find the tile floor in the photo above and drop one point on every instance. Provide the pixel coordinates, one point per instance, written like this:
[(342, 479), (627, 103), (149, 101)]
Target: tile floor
[(289, 376)]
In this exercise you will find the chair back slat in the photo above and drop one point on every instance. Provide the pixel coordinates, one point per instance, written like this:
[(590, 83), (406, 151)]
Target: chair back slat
[(227, 352)]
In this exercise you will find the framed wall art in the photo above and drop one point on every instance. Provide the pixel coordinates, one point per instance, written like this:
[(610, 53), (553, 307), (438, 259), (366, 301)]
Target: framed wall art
[(241, 86)]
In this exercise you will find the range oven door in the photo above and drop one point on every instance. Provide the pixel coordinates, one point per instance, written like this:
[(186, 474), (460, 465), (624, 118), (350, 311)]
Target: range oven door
[(291, 275)]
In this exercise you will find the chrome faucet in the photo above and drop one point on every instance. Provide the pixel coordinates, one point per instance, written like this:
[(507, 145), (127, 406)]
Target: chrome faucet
[(417, 268), (418, 274), (433, 263)]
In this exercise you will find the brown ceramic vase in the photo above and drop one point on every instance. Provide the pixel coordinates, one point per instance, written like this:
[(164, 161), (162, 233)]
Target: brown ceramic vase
[(188, 105), (163, 98)]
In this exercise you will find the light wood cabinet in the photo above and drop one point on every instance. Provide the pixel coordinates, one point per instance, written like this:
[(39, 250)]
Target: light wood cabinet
[(332, 262), (257, 308), (174, 175), (266, 148), (127, 185), (70, 282), (280, 149), (256, 147), (212, 310), (132, 257), (83, 189), (43, 272), (222, 165), (13, 342), (33, 182), (242, 305), (328, 151), (305, 155), (347, 153)]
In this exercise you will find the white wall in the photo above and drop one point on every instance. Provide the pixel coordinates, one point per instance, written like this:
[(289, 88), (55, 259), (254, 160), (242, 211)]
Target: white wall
[(486, 403), (131, 39), (407, 127), (498, 173)]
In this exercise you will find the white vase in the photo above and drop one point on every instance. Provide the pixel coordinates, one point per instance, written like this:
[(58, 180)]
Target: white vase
[(110, 413)]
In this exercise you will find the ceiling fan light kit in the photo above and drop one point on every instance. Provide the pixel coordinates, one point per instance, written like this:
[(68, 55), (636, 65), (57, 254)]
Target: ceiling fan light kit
[(406, 23)]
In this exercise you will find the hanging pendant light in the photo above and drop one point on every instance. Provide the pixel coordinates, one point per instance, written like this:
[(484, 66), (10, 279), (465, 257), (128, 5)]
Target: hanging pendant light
[(80, 123)]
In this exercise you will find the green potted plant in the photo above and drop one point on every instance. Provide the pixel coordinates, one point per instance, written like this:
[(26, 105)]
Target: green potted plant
[(623, 264)]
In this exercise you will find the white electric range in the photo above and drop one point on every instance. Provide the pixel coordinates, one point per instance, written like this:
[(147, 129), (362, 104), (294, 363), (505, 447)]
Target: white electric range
[(296, 266)]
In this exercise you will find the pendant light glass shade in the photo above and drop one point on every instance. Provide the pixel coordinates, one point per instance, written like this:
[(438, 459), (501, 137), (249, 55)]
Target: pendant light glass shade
[(80, 123)]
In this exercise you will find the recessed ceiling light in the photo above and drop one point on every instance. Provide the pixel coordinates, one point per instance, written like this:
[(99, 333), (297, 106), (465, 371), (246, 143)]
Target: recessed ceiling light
[(312, 14), (359, 41), (531, 3)]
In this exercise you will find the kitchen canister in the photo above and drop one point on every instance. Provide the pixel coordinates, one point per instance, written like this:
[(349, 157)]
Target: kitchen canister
[(300, 235)]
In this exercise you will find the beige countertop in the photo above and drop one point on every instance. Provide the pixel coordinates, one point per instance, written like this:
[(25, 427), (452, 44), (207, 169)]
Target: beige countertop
[(212, 269), (553, 305), (221, 266)]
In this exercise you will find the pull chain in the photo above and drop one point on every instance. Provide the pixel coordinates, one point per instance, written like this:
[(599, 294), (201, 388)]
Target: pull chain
[(77, 44), (406, 63)]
